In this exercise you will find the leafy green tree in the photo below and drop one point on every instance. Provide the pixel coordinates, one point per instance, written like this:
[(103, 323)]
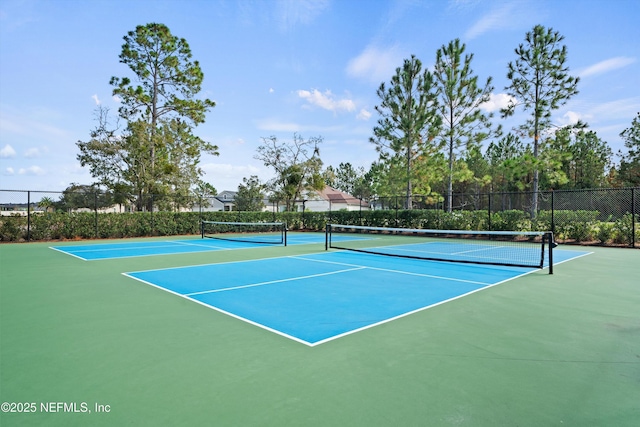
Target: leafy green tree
[(329, 176), (47, 203), (464, 125), (408, 122), (344, 178), (297, 167), (629, 171), (157, 153), (363, 187), (554, 154), (204, 193), (479, 170), (539, 83), (505, 159), (588, 160), (78, 196), (250, 196)]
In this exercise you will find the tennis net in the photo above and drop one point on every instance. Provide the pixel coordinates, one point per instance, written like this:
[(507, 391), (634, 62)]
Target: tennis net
[(507, 248), (251, 232)]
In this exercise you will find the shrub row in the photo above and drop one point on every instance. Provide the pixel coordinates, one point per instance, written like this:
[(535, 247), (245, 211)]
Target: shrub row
[(569, 226)]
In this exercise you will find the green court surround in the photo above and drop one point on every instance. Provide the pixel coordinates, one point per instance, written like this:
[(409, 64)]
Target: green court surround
[(541, 350)]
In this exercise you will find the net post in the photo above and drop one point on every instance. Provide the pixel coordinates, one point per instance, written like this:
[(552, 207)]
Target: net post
[(551, 245), (284, 233), (202, 228), (327, 230)]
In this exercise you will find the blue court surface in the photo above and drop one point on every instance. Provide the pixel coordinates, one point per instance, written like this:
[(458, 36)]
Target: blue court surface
[(100, 251), (319, 297)]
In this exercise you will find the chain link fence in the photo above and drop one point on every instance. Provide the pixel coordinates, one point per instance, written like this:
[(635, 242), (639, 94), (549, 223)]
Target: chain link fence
[(608, 216), (596, 216)]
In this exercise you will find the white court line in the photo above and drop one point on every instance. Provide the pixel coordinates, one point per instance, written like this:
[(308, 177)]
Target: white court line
[(391, 319), (182, 242), (314, 344), (68, 253), (209, 248), (98, 249), (486, 248), (219, 310), (431, 276), (442, 255), (291, 279)]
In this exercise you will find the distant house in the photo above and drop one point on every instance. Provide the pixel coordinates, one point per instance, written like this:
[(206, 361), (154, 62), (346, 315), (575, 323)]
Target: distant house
[(227, 199), (330, 199), (224, 201), (326, 200)]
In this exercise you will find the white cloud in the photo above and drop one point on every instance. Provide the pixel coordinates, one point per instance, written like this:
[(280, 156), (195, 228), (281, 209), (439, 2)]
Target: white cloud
[(607, 65), (31, 153), (96, 99), (32, 170), (271, 90), (572, 117), (376, 65), (364, 115), (7, 152), (326, 100), (9, 171), (496, 102)]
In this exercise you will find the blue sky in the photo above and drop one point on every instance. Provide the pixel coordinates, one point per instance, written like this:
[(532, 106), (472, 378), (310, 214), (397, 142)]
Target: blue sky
[(275, 67)]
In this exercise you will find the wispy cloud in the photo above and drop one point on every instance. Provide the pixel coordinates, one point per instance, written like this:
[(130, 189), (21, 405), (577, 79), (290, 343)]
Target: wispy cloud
[(32, 152), (327, 100), (503, 16), (291, 13), (376, 64), (32, 123), (32, 170), (607, 65), (275, 125)]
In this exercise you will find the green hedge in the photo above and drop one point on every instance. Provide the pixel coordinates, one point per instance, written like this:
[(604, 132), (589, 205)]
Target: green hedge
[(578, 226)]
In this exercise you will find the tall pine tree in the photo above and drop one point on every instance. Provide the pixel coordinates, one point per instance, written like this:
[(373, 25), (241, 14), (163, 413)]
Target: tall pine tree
[(539, 83)]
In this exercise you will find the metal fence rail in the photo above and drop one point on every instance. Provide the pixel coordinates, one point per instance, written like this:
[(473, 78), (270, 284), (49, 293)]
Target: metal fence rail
[(607, 216)]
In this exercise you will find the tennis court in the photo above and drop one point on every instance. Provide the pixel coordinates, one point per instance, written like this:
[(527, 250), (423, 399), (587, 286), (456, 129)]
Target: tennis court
[(101, 251), (315, 298), (274, 335)]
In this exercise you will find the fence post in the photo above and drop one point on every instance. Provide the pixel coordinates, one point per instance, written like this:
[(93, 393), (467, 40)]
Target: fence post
[(28, 216), (553, 220), (396, 211), (95, 210), (489, 211), (633, 217)]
